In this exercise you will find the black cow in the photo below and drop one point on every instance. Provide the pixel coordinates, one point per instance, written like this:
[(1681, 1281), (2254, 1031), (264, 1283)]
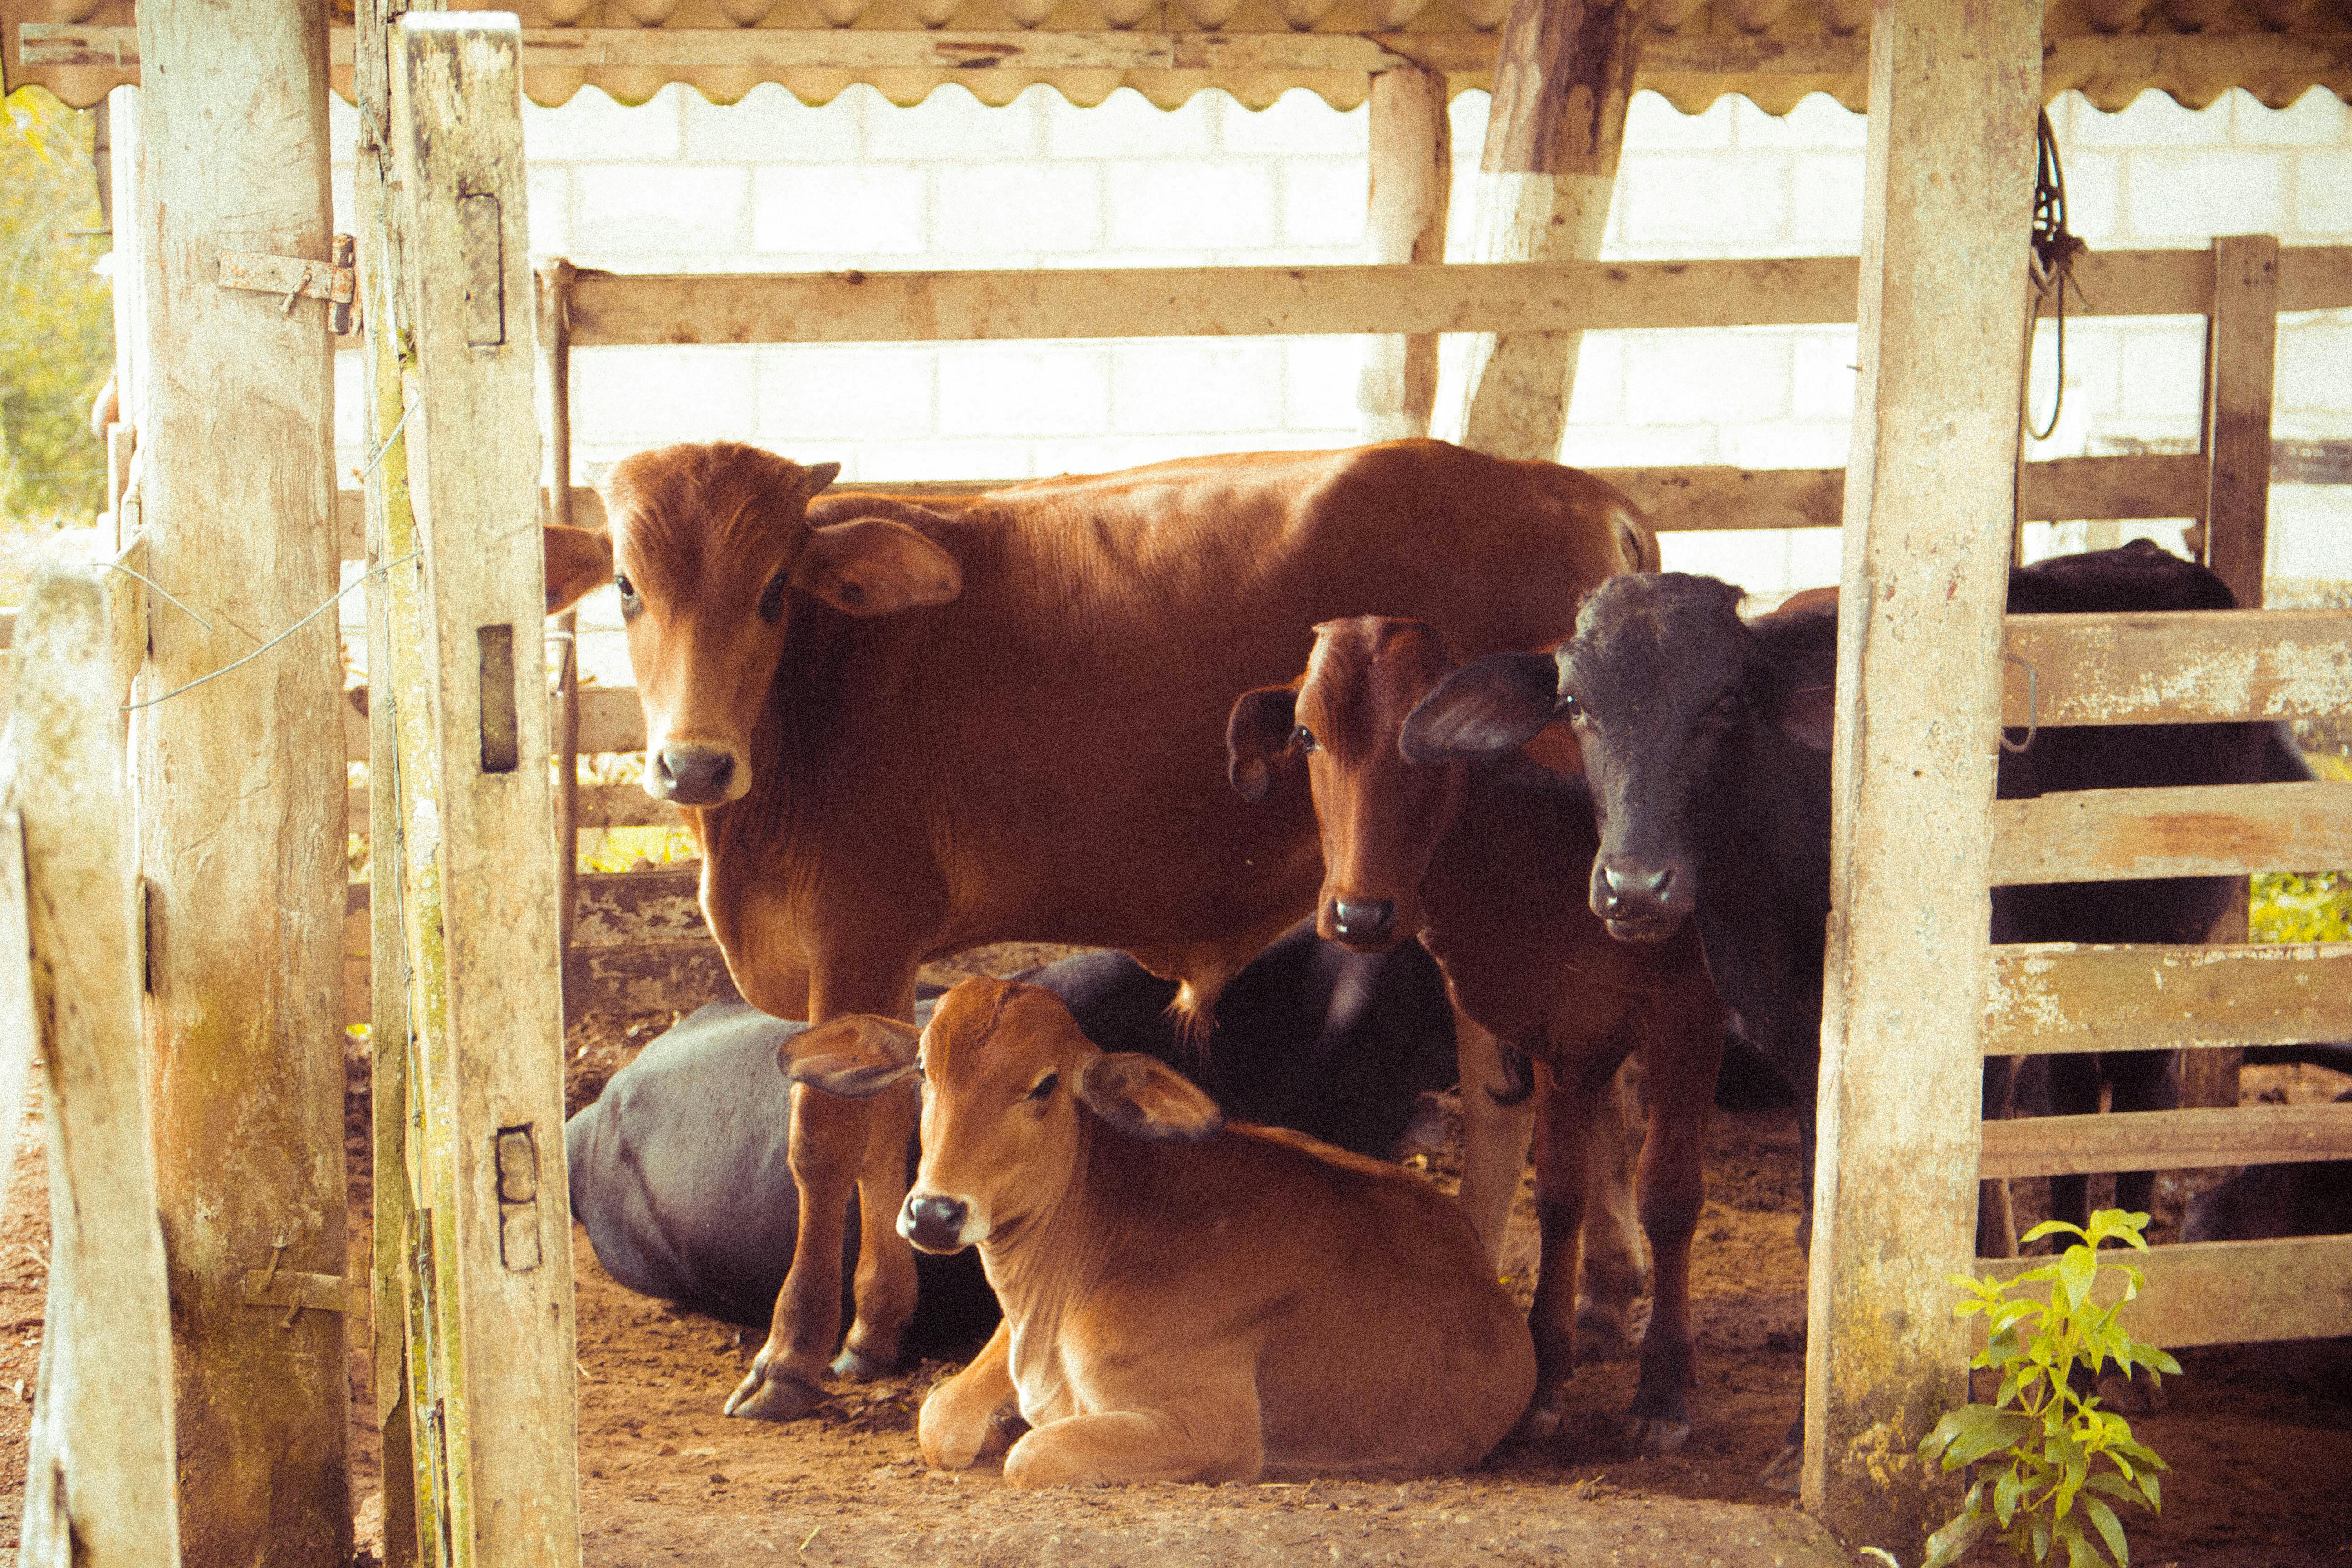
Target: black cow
[(679, 1169)]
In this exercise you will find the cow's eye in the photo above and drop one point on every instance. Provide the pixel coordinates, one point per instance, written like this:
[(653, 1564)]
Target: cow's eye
[(1045, 1085), (772, 599), (1303, 738), (1569, 707)]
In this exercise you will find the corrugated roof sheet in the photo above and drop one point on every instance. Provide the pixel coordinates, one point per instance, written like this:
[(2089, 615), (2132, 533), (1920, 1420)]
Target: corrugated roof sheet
[(1773, 52)]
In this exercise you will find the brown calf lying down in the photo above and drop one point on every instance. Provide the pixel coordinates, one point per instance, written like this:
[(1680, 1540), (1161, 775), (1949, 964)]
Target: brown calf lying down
[(1184, 1301), (899, 730), (1483, 863)]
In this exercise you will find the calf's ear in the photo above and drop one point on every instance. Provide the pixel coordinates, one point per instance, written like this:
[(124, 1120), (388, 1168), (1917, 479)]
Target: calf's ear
[(1489, 705), (856, 1057), (579, 562), (1257, 735), (1143, 1097), (873, 566), (1805, 714)]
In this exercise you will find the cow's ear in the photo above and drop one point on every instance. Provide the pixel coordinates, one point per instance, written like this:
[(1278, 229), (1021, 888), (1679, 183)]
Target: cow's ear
[(815, 477), (858, 1056), (579, 562), (1805, 714), (1489, 705), (1257, 735), (1143, 1097), (873, 566)]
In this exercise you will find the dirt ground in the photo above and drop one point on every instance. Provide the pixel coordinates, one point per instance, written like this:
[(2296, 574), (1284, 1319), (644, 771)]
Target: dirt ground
[(2260, 1438)]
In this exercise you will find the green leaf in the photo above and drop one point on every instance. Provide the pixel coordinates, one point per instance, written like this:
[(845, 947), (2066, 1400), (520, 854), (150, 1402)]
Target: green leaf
[(1947, 1545), (2076, 1270), (2110, 1529), (2152, 1490), (2048, 1227), (2006, 1494), (1980, 1431)]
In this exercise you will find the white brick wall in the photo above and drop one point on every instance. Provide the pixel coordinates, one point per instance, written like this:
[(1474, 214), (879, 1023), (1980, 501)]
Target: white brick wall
[(682, 184)]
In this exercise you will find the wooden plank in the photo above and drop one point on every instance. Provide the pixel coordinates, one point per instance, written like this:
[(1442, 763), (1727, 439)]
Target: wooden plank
[(2186, 667), (487, 1005), (103, 1487), (243, 950), (2194, 1140), (2129, 835), (610, 720), (19, 1028), (1412, 166), (554, 390), (1562, 81), (2059, 996), (601, 806), (1928, 506), (2227, 1292)]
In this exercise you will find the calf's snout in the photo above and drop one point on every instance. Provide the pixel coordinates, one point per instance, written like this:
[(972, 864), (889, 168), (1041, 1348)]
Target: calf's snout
[(692, 774), (1363, 922), (933, 1222), (1640, 899)]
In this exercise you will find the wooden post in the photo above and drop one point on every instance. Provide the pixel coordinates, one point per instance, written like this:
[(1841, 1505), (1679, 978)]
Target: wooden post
[(555, 479), (491, 1364), (100, 1489), (242, 779), (1412, 176), (2241, 353), (1562, 83), (1953, 91)]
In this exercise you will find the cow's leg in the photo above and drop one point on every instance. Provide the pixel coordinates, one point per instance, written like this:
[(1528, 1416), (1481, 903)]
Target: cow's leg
[(2141, 1080), (1565, 1110), (1494, 1132), (1996, 1216), (974, 1413), (1215, 1436), (1615, 1264), (2073, 1092), (828, 1145), (1684, 1041), (886, 1268)]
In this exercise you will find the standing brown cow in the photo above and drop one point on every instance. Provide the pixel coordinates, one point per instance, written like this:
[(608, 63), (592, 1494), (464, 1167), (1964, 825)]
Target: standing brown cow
[(902, 730)]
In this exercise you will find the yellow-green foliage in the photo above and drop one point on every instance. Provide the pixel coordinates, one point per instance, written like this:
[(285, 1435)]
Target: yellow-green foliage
[(2049, 1460), (57, 329), (619, 849)]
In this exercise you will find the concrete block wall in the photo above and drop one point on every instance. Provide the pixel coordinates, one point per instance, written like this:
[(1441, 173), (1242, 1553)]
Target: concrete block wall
[(680, 185)]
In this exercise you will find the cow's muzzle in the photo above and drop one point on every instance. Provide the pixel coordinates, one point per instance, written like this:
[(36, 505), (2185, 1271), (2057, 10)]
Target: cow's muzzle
[(1364, 923), (1639, 902), (935, 1223), (692, 774)]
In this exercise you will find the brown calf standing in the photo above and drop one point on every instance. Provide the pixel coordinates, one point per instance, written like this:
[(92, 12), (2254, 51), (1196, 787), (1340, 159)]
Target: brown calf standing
[(1481, 862), (1184, 1301)]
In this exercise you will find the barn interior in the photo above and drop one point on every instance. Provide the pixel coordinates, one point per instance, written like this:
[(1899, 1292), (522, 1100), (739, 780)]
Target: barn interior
[(1463, 311)]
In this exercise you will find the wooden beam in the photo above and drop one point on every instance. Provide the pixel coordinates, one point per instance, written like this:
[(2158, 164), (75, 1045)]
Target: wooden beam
[(554, 387), (610, 720), (2241, 356), (2215, 830), (1412, 183), (2166, 1140), (2059, 996), (499, 1341), (103, 1482), (2225, 1292), (1929, 504), (235, 494), (601, 806), (1563, 79), (2188, 666)]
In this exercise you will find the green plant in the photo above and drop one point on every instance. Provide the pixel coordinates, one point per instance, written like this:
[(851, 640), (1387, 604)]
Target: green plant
[(2049, 1459)]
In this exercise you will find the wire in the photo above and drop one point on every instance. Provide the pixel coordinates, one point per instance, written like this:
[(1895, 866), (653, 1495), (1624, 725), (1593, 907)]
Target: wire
[(281, 636)]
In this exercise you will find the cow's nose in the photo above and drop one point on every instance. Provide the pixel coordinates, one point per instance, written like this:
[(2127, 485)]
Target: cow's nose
[(932, 1223), (1625, 883), (1363, 919), (694, 775)]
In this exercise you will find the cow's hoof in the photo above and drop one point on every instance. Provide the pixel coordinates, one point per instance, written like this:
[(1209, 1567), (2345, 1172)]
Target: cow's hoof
[(1786, 1472), (766, 1394), (1656, 1434), (1541, 1421), (860, 1367)]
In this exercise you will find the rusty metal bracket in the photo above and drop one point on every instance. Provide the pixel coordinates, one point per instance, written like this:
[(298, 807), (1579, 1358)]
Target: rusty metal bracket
[(276, 1286), (335, 280)]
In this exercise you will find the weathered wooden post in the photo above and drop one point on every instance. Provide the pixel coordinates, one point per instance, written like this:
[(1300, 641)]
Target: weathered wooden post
[(1413, 179), (242, 780), (486, 1276), (555, 470), (2240, 357), (1953, 91), (99, 1487), (1562, 83)]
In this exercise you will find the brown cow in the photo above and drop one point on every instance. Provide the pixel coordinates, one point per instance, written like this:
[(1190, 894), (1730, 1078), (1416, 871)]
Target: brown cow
[(1484, 865), (1184, 1301), (902, 730)]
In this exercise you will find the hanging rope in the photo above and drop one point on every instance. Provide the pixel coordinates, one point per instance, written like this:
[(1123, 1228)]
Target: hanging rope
[(2051, 263)]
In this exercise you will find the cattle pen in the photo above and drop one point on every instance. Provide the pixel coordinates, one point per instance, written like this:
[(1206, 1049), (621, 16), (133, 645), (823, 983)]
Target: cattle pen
[(186, 1076)]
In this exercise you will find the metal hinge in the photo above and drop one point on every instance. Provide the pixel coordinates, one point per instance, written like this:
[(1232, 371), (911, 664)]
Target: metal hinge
[(336, 281)]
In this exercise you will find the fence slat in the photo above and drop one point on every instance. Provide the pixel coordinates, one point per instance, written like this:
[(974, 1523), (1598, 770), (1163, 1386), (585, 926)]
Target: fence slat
[(2166, 1140), (103, 1487), (2181, 666), (2214, 830), (2058, 996), (2224, 1292)]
